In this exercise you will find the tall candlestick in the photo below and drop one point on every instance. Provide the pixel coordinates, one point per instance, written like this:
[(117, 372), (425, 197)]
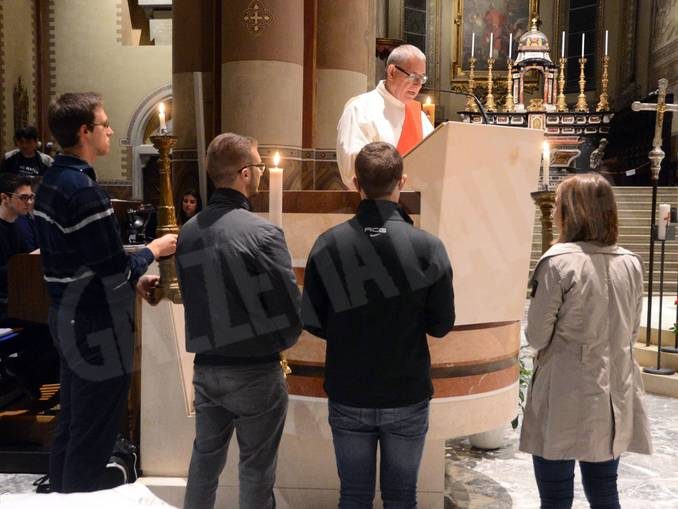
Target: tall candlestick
[(583, 43), (473, 44), (606, 34), (161, 117), (489, 99), (470, 102), (510, 45), (663, 220), (562, 45), (582, 105), (546, 163), (491, 44), (275, 191)]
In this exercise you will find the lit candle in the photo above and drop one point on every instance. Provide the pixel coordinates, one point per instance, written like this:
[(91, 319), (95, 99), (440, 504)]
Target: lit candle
[(606, 42), (562, 45), (510, 45), (430, 110), (546, 163), (583, 43), (275, 191), (161, 116), (664, 219), (491, 43), (473, 44)]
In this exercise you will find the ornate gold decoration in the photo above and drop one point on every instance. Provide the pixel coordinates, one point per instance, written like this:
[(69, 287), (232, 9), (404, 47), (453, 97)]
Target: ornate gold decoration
[(489, 100), (256, 17), (582, 105), (470, 103), (20, 105), (603, 105), (561, 105), (167, 221), (536, 105), (509, 105), (546, 201)]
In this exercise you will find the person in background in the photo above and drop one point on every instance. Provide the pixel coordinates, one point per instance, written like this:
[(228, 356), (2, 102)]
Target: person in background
[(191, 204), (26, 160), (585, 402)]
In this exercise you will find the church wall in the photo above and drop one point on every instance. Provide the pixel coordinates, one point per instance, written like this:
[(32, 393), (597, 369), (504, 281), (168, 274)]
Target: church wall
[(17, 59), (664, 58), (89, 55)]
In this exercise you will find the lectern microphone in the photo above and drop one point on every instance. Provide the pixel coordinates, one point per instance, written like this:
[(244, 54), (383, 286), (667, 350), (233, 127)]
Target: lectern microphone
[(483, 113)]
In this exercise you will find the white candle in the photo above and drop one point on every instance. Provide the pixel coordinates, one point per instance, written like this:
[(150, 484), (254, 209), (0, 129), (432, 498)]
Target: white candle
[(275, 191), (664, 219), (583, 42), (473, 44), (510, 44), (546, 163), (606, 42), (161, 116), (562, 45), (491, 43)]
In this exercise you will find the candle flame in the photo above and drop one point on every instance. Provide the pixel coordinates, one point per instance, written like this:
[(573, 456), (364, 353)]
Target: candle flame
[(428, 99), (161, 108), (276, 159)]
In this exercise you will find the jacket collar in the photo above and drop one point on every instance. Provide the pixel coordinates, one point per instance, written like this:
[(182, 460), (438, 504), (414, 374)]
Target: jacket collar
[(230, 198), (381, 89), (381, 211), (69, 162), (584, 247)]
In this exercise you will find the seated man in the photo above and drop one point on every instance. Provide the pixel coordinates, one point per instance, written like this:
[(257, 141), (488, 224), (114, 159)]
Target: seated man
[(15, 197), (388, 113), (374, 287), (26, 160)]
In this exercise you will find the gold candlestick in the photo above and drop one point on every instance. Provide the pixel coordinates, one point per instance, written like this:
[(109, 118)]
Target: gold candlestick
[(603, 105), (582, 105), (546, 201), (561, 105), (510, 105), (167, 222), (470, 103), (489, 100)]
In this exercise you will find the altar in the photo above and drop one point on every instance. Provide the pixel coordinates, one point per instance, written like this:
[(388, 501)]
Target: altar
[(483, 212)]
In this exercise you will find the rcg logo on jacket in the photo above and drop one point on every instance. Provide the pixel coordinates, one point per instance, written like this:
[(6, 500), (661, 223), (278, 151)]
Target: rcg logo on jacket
[(373, 231)]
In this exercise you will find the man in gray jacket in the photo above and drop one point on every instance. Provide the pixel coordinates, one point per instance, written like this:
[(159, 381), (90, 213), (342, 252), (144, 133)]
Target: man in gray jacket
[(241, 304)]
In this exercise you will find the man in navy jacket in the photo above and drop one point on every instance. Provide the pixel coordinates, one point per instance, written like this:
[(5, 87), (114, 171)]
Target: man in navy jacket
[(374, 287)]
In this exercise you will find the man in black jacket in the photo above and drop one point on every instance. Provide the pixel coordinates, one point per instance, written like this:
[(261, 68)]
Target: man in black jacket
[(374, 287), (241, 305)]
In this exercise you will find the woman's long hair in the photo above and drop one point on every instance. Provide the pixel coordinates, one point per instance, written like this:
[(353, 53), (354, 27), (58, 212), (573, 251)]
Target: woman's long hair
[(586, 210), (182, 217)]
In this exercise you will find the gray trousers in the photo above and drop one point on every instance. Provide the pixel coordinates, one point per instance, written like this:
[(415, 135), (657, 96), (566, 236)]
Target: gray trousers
[(253, 400)]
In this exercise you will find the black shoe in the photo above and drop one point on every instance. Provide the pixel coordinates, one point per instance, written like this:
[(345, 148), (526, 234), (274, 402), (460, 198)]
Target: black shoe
[(42, 485)]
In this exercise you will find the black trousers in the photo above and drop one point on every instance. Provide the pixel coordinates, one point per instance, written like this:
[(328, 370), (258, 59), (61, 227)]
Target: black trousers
[(96, 361)]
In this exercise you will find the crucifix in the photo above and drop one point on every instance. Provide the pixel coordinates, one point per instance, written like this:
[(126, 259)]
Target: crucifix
[(656, 156)]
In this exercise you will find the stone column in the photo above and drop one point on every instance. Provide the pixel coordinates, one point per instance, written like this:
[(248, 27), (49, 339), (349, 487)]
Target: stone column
[(262, 66), (192, 51), (345, 67)]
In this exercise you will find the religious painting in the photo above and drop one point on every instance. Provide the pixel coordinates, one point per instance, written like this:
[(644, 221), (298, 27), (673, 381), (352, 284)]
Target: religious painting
[(666, 28), (491, 21)]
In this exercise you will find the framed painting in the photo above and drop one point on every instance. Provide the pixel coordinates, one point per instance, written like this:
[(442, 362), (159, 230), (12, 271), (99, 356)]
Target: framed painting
[(489, 20)]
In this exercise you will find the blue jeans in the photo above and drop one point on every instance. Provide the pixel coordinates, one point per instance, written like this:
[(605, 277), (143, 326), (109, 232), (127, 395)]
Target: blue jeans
[(555, 481), (252, 399), (400, 433)]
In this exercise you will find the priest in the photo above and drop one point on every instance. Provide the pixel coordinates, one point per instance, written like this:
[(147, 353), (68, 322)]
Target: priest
[(389, 113)]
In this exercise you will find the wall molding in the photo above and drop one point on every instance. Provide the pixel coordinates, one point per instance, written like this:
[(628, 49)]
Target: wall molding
[(3, 84)]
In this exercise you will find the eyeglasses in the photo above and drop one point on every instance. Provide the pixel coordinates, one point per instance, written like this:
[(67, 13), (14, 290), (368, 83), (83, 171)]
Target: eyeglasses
[(105, 124), (25, 197), (261, 166), (413, 77)]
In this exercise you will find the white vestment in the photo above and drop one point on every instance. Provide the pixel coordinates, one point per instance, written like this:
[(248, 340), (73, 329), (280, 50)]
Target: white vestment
[(368, 117)]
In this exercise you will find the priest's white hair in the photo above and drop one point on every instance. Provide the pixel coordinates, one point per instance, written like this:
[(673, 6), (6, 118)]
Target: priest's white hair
[(403, 53)]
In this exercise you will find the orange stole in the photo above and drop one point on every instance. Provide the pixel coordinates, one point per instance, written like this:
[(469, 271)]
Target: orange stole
[(412, 132)]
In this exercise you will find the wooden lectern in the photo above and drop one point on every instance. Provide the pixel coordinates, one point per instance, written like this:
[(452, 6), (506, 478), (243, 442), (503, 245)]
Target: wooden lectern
[(475, 182)]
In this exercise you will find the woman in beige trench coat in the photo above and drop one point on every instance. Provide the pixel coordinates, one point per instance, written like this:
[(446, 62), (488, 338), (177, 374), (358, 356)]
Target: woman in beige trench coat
[(585, 399)]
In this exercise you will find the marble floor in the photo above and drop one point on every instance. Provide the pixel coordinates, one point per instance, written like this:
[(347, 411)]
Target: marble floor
[(503, 478)]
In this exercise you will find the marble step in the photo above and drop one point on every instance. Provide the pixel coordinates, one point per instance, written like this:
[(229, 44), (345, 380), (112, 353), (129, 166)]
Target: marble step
[(668, 339), (662, 385), (647, 356)]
